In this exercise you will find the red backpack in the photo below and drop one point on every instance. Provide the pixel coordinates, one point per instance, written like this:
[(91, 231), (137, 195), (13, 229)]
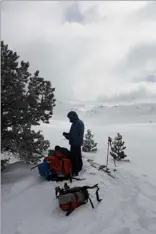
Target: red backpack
[(60, 164)]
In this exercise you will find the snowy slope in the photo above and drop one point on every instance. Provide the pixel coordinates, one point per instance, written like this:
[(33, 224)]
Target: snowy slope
[(129, 202), (99, 113)]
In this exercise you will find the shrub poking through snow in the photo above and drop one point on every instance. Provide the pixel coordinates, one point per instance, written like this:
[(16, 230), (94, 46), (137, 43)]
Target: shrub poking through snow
[(89, 145), (117, 148)]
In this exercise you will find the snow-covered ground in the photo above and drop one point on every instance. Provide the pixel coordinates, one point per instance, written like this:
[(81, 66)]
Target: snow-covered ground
[(29, 205)]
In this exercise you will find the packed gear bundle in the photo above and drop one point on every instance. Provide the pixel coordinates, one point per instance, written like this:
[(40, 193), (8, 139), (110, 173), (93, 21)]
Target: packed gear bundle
[(71, 198), (56, 167)]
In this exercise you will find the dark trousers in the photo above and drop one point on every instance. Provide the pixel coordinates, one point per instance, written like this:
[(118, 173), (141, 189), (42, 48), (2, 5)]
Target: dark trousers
[(76, 158)]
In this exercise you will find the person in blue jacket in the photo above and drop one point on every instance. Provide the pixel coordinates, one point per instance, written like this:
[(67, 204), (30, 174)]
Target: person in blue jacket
[(75, 137)]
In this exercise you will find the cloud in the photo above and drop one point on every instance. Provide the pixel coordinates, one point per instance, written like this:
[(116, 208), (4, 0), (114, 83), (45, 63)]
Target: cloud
[(87, 49), (73, 13), (151, 78), (140, 93), (139, 62), (147, 12)]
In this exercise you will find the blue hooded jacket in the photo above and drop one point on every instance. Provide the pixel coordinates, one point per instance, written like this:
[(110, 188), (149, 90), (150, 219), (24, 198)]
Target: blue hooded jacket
[(76, 133)]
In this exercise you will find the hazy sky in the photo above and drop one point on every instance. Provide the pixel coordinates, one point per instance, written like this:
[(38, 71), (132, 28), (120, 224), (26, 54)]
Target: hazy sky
[(88, 50)]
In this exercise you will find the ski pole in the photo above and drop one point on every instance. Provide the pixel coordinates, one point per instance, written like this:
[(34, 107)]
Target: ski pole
[(109, 144), (114, 162)]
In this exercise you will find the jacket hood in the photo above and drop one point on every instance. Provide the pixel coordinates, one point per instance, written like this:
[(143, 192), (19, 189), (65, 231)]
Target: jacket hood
[(72, 115)]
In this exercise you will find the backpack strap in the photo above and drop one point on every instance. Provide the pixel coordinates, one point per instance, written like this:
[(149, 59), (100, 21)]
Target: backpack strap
[(59, 191), (70, 211), (63, 166), (63, 170), (91, 187), (91, 202), (97, 193), (66, 187)]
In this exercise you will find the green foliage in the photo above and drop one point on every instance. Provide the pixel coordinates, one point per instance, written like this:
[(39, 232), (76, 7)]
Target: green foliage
[(89, 145), (26, 101), (117, 148)]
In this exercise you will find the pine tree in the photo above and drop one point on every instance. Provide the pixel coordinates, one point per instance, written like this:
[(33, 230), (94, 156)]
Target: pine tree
[(26, 101), (89, 145), (4, 163), (117, 148)]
